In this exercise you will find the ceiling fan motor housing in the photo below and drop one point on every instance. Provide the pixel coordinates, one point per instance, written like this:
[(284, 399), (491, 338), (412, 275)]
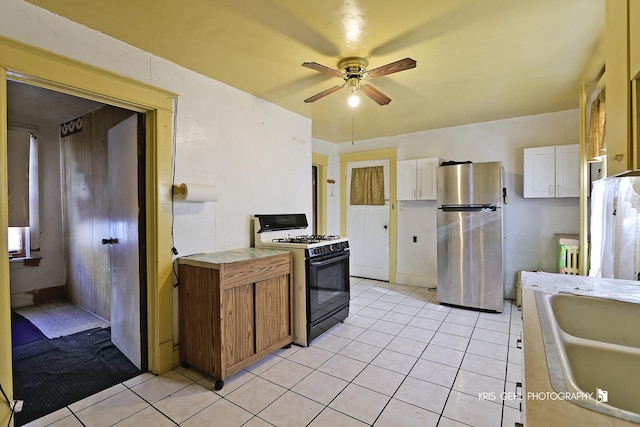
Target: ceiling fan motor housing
[(353, 67)]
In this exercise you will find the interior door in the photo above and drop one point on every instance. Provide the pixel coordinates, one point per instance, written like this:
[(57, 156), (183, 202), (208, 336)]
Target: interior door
[(368, 230), (123, 239)]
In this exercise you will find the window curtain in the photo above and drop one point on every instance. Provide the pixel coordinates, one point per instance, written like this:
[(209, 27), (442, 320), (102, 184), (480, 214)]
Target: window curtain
[(18, 152), (367, 186), (596, 143)]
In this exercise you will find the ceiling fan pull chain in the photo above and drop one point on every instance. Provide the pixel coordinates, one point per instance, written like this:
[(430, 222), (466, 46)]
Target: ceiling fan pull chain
[(351, 128)]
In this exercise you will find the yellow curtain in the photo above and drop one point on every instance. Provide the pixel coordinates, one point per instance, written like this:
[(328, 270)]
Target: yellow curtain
[(596, 143), (367, 186)]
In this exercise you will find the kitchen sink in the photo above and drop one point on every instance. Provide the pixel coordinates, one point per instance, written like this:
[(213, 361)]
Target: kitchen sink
[(597, 319), (593, 351)]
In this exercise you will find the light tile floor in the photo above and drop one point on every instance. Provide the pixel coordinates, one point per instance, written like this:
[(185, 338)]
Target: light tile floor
[(400, 359), (59, 318)]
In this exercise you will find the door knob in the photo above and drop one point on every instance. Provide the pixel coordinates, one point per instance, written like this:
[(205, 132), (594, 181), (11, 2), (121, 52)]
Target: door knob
[(386, 226), (109, 241)]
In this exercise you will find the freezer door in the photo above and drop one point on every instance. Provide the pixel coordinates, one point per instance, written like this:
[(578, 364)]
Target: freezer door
[(470, 258), (470, 184)]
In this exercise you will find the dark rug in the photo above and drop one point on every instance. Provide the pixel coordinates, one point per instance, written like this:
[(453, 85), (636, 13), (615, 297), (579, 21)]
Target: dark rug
[(51, 374), (23, 331)]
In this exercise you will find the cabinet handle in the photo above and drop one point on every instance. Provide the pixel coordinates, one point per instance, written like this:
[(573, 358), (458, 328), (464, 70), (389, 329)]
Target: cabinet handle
[(551, 190), (558, 192), (519, 343), (518, 386)]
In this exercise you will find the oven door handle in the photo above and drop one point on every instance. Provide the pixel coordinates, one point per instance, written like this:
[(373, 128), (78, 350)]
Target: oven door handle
[(322, 261)]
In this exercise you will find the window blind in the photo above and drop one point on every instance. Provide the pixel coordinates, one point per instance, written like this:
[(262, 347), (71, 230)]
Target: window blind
[(18, 152)]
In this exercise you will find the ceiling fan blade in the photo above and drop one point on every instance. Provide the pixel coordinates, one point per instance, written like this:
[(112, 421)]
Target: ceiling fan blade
[(323, 69), (323, 94), (375, 94), (394, 67)]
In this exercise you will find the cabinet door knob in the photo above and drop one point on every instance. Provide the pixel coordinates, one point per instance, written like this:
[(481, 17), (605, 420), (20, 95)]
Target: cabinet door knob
[(551, 190)]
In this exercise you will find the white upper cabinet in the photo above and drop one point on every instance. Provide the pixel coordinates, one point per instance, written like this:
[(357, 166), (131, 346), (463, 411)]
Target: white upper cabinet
[(568, 170), (406, 170), (417, 179), (552, 171)]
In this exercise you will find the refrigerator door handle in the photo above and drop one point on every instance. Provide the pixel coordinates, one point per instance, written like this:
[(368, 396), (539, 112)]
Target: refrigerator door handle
[(448, 208)]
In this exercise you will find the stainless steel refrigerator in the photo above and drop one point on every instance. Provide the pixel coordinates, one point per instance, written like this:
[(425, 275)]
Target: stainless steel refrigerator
[(470, 201)]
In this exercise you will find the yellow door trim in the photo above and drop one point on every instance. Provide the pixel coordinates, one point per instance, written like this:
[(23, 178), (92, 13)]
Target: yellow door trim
[(35, 66), (26, 63), (321, 161), (6, 371), (392, 155)]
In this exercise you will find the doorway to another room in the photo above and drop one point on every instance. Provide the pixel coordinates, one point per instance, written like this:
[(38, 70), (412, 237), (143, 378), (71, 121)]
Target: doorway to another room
[(83, 275)]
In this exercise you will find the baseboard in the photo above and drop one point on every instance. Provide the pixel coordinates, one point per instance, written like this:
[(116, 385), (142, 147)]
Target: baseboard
[(413, 280), (38, 296)]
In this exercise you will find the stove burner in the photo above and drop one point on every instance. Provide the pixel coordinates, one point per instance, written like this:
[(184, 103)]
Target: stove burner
[(306, 239), (300, 239), (325, 237)]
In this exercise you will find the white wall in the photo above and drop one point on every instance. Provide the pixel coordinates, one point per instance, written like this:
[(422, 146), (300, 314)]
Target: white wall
[(529, 224), (256, 153)]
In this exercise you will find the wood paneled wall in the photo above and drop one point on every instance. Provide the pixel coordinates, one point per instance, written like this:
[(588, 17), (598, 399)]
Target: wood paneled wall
[(86, 209)]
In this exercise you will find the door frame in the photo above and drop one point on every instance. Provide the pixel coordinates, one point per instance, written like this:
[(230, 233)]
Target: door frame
[(390, 154), (321, 162), (35, 66)]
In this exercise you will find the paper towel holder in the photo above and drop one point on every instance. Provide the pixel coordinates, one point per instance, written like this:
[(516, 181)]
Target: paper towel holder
[(178, 190), (195, 192)]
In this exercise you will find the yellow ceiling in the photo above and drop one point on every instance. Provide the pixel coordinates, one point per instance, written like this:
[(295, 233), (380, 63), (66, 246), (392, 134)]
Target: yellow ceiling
[(477, 60)]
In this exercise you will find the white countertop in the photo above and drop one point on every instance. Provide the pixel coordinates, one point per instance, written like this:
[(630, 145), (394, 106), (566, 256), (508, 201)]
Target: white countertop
[(616, 289)]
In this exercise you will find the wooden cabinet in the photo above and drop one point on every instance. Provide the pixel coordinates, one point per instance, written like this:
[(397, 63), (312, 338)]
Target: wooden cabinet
[(634, 74), (417, 179), (634, 39), (552, 171), (618, 83), (235, 308)]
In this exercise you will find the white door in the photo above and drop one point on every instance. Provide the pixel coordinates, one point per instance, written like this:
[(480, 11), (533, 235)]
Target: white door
[(123, 225), (368, 231)]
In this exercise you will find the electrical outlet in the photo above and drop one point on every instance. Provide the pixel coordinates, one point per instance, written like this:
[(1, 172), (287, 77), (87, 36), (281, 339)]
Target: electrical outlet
[(17, 405)]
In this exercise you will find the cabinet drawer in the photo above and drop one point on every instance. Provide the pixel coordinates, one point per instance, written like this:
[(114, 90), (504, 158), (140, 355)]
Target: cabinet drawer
[(251, 271)]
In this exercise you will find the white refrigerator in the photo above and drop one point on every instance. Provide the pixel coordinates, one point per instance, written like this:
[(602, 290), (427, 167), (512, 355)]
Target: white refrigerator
[(615, 227)]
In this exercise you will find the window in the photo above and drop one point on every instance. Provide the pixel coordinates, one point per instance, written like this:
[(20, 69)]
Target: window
[(23, 201), (19, 242)]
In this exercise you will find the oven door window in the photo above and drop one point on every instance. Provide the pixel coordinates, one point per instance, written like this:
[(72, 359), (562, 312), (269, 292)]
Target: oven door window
[(328, 285)]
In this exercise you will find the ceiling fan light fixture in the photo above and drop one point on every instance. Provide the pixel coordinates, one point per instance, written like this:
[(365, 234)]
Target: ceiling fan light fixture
[(354, 100), (352, 84)]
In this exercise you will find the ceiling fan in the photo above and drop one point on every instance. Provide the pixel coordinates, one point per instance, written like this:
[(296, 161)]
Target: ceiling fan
[(352, 70)]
